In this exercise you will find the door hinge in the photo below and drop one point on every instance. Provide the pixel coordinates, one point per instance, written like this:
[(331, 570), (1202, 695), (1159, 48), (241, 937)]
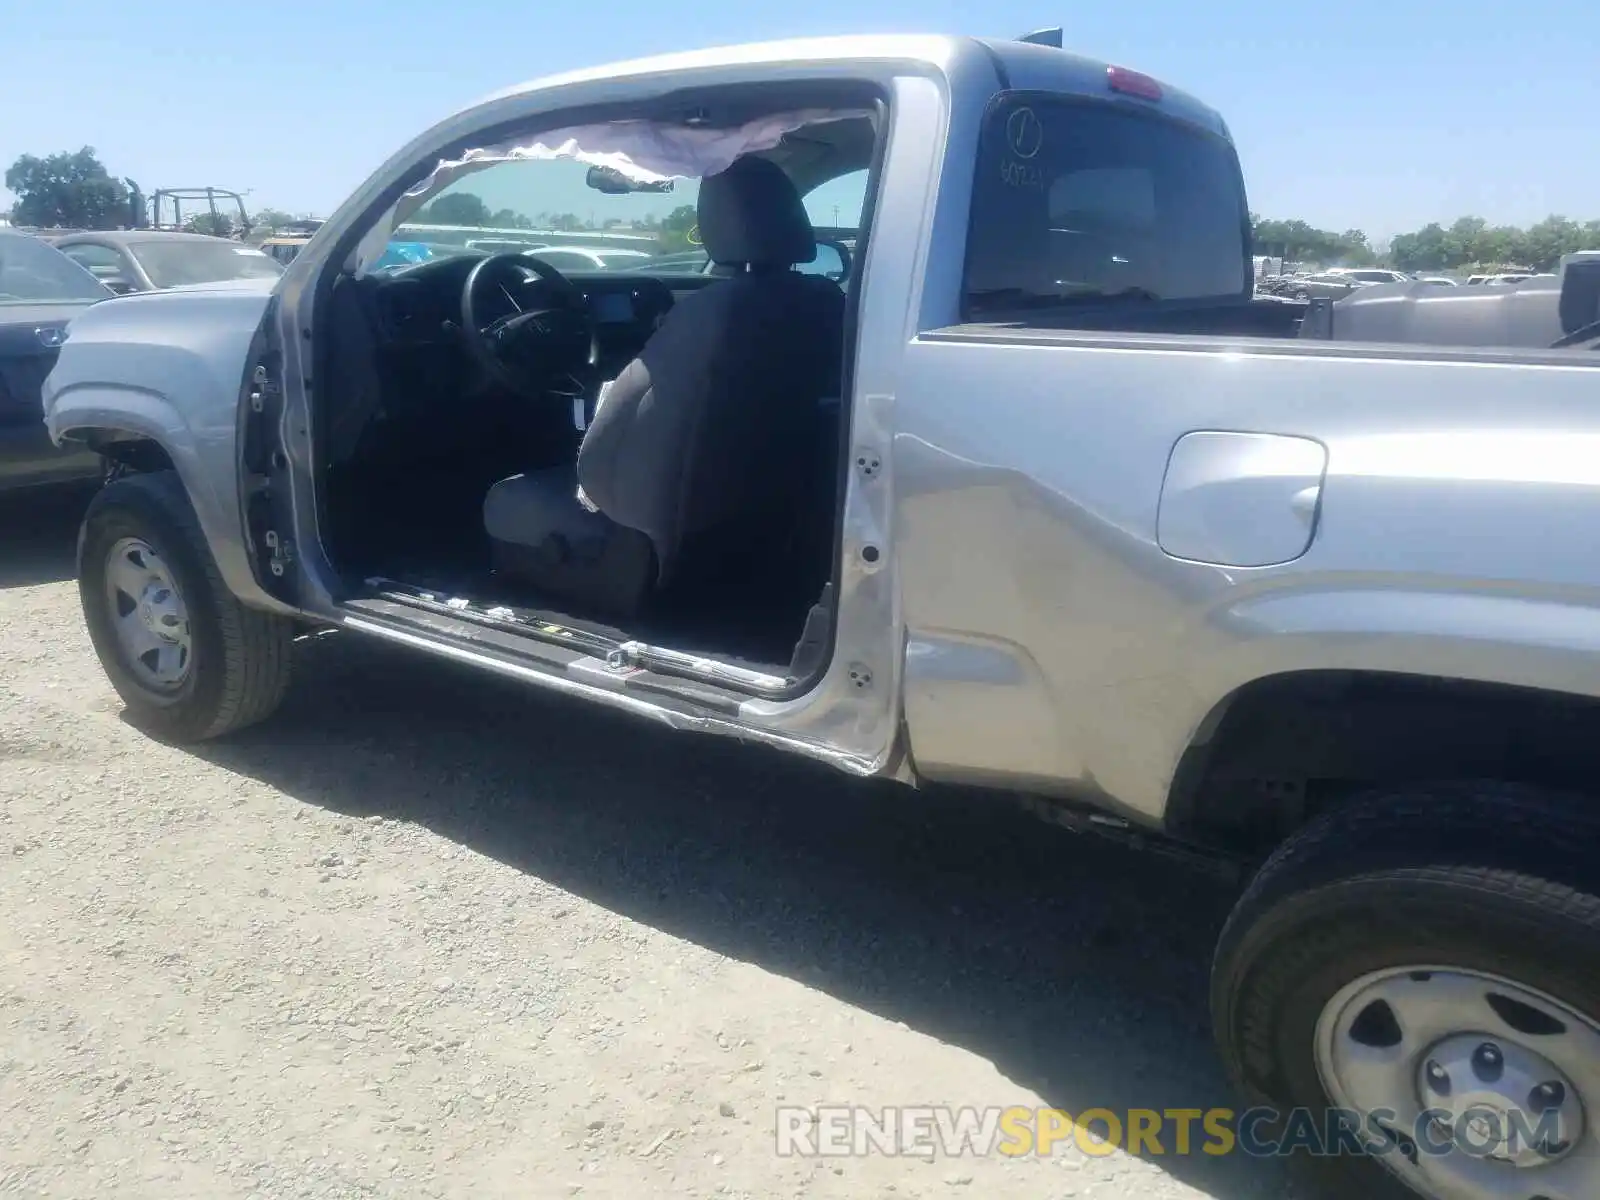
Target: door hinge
[(282, 552)]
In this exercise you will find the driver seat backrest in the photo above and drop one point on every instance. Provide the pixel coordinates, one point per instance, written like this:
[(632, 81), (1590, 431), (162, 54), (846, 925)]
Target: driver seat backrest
[(705, 436)]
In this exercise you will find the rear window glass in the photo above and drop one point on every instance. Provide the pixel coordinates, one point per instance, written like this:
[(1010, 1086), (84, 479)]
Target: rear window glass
[(1088, 206), (180, 262)]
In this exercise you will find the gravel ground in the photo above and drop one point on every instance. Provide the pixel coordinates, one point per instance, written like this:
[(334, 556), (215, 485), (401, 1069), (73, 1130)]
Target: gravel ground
[(431, 934)]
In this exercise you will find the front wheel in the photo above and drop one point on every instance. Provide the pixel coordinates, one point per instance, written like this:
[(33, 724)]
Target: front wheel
[(1412, 986), (189, 661)]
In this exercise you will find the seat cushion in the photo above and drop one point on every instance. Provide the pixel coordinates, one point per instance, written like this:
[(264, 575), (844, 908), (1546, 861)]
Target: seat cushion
[(526, 509), (542, 537)]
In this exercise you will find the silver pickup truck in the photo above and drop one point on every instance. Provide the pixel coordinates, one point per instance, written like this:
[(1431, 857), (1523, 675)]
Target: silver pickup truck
[(1039, 498)]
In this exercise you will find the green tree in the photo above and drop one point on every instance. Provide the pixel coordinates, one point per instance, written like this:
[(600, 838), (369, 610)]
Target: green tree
[(1472, 243), (1469, 243), (1424, 250), (1501, 245), (1463, 241), (271, 218), (1357, 249), (678, 228), (67, 190), (1298, 241), (1552, 238), (457, 208), (214, 224)]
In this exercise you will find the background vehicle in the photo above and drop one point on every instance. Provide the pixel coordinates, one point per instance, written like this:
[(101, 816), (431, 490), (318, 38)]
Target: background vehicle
[(1330, 285), (1045, 499), (290, 239), (41, 290), (1370, 274), (834, 258), (586, 258), (285, 248), (282, 248), (173, 208), (496, 239), (1498, 280), (1284, 287), (1541, 312), (143, 260)]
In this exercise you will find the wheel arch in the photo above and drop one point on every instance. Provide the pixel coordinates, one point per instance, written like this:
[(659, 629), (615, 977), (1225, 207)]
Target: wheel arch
[(1280, 749), (142, 430), (126, 450)]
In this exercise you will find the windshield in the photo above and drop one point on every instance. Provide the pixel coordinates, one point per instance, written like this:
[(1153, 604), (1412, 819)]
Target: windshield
[(546, 208), (32, 272), (175, 262)]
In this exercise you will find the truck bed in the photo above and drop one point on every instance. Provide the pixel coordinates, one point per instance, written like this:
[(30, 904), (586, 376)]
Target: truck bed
[(1262, 316)]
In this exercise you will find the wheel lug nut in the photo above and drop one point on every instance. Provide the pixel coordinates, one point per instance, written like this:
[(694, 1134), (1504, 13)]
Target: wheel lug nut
[(1438, 1078), (1487, 1062), (1547, 1096)]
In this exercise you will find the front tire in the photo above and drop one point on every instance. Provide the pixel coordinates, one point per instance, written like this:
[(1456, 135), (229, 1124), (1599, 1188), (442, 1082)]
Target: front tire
[(188, 660), (1434, 953)]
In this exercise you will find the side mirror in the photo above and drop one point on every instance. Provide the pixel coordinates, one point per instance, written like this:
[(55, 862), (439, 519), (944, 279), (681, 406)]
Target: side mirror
[(830, 261), (613, 182)]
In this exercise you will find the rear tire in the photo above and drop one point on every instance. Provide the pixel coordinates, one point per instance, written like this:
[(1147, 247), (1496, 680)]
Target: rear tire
[(1462, 894), (213, 665)]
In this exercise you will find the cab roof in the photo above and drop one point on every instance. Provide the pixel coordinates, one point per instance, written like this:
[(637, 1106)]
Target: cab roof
[(1019, 65)]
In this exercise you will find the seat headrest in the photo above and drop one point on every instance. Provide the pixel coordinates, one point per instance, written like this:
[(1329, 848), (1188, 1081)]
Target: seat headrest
[(751, 214)]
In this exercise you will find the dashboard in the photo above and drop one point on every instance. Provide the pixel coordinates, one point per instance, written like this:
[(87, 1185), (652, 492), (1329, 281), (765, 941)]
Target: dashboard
[(420, 305)]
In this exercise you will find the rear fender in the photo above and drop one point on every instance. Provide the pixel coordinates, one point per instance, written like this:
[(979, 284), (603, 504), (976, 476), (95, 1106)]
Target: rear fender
[(1321, 693), (1538, 645), (1547, 642)]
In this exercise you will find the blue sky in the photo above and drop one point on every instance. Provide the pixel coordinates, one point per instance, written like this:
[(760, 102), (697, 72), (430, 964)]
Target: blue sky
[(1355, 113)]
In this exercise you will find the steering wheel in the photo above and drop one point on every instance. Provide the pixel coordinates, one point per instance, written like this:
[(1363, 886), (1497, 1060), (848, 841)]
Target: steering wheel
[(527, 348)]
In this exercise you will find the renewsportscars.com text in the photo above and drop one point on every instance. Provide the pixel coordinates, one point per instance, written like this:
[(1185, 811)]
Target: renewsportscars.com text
[(845, 1131)]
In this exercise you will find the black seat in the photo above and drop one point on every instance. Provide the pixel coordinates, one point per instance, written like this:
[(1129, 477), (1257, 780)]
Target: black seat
[(704, 444)]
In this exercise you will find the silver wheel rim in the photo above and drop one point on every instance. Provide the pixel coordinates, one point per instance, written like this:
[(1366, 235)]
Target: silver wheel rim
[(1465, 1085), (149, 616)]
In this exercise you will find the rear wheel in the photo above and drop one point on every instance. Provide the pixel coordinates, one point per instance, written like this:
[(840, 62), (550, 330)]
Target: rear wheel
[(189, 661), (1422, 970)]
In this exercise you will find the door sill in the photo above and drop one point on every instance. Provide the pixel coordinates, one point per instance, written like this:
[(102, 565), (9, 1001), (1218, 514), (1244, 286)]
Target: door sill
[(678, 703), (624, 656)]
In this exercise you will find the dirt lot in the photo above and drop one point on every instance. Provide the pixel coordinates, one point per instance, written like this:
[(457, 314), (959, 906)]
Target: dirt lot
[(428, 934)]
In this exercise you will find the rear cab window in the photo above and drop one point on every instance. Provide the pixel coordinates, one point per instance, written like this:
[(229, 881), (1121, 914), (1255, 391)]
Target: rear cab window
[(1086, 212)]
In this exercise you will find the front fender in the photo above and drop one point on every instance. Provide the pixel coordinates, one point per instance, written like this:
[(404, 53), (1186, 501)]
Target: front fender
[(106, 415), (168, 367)]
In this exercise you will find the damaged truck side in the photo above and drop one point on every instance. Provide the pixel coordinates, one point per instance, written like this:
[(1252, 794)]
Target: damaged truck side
[(1026, 491)]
